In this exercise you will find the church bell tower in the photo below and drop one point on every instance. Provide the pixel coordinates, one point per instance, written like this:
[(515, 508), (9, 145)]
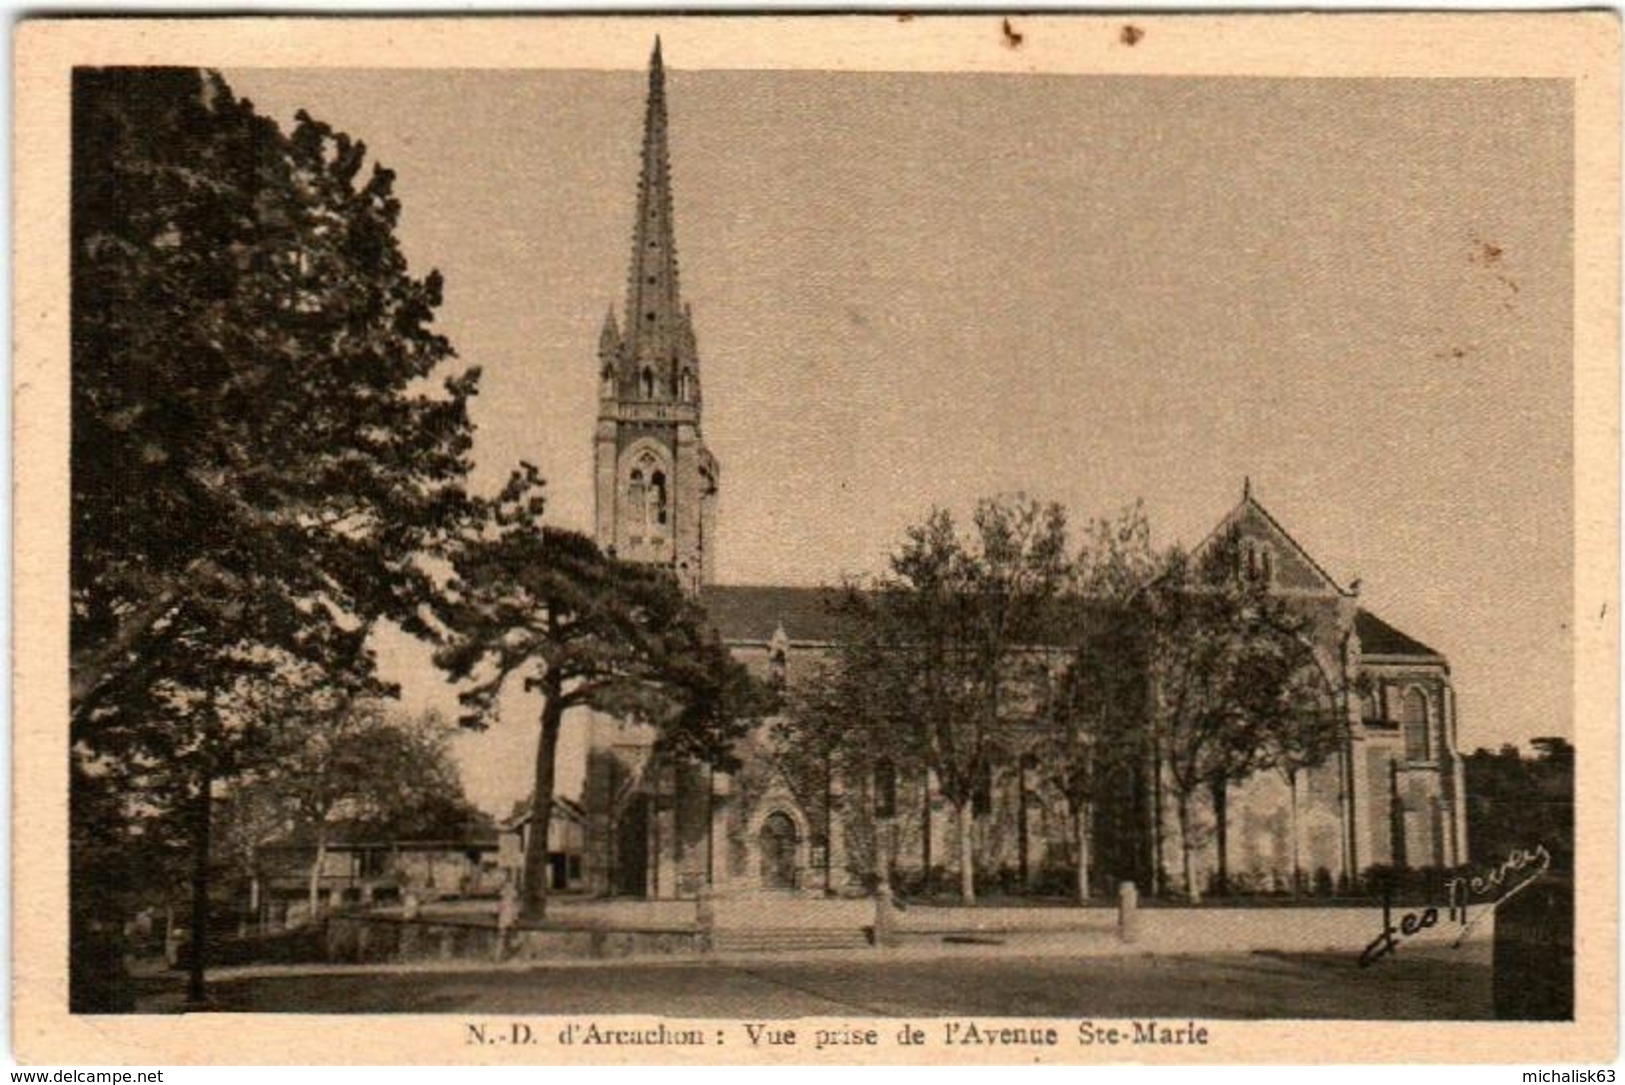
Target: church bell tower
[(656, 483)]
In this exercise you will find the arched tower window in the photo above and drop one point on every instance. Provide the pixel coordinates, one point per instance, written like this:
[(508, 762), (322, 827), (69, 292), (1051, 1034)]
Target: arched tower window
[(606, 387), (648, 498), (648, 383), (1413, 722), (657, 502), (636, 495), (685, 386)]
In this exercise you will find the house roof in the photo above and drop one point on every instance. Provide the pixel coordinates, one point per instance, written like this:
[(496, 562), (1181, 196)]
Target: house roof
[(753, 612), (1378, 638), (351, 838), (563, 807)]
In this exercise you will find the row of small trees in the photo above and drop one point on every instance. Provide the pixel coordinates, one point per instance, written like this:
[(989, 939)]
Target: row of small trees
[(270, 453), (1001, 644)]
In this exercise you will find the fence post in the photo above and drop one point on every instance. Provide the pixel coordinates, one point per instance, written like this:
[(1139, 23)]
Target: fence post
[(507, 917), (1128, 913), (885, 917)]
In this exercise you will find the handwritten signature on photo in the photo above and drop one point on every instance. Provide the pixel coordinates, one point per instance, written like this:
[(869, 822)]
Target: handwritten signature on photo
[(1480, 894)]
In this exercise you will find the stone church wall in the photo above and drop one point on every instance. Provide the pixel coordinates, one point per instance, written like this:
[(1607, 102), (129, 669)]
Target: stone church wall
[(1260, 828)]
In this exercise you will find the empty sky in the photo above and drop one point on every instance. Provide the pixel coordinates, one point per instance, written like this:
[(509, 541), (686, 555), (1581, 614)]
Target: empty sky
[(921, 289)]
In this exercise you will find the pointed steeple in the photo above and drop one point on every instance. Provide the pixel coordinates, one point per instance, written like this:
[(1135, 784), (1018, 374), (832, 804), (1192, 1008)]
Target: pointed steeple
[(609, 358), (655, 335), (655, 481), (688, 346), (609, 339)]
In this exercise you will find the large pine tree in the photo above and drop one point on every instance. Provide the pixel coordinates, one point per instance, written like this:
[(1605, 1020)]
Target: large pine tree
[(544, 606)]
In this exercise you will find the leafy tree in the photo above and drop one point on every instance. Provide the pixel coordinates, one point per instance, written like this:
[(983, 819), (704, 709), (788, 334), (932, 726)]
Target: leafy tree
[(921, 622), (1095, 730), (850, 721), (965, 615), (249, 819), (1517, 801), (585, 631), (346, 763), (256, 429), (1305, 732), (128, 852), (1014, 569), (1222, 652), (167, 744), (265, 446), (1554, 750)]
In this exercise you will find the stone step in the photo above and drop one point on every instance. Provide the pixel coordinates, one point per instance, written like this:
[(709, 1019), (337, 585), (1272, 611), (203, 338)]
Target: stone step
[(787, 939)]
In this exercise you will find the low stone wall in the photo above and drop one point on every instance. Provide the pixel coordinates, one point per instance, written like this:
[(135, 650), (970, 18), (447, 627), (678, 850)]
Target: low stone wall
[(368, 938), (1167, 930), (1300, 930), (945, 919), (1172, 930)]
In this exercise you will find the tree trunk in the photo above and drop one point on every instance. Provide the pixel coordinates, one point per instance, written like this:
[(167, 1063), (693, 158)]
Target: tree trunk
[(877, 842), (1159, 866), (1220, 790), (925, 832), (1080, 823), (1292, 806), (676, 828), (710, 824), (533, 900), (829, 826), (197, 953), (1187, 847), (1396, 821), (315, 887), (256, 907), (967, 861), (1022, 869)]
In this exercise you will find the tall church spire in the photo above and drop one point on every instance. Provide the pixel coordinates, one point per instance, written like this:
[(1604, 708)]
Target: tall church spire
[(656, 481), (656, 328)]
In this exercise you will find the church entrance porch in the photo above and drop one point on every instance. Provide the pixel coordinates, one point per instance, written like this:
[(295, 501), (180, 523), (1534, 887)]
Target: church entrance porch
[(778, 842)]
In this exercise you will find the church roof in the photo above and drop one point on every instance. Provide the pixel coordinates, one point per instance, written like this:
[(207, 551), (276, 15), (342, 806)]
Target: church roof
[(753, 612), (1378, 638), (1252, 518)]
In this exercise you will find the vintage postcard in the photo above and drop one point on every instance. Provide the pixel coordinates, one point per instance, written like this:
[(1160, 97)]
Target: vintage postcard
[(840, 539)]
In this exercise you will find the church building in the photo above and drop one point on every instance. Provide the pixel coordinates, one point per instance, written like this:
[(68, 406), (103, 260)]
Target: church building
[(1393, 794)]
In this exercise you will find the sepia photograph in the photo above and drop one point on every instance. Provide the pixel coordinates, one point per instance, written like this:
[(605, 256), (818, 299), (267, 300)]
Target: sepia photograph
[(999, 544)]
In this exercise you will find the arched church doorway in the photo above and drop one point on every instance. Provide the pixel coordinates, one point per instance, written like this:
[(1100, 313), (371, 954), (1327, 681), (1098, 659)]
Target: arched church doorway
[(778, 849)]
